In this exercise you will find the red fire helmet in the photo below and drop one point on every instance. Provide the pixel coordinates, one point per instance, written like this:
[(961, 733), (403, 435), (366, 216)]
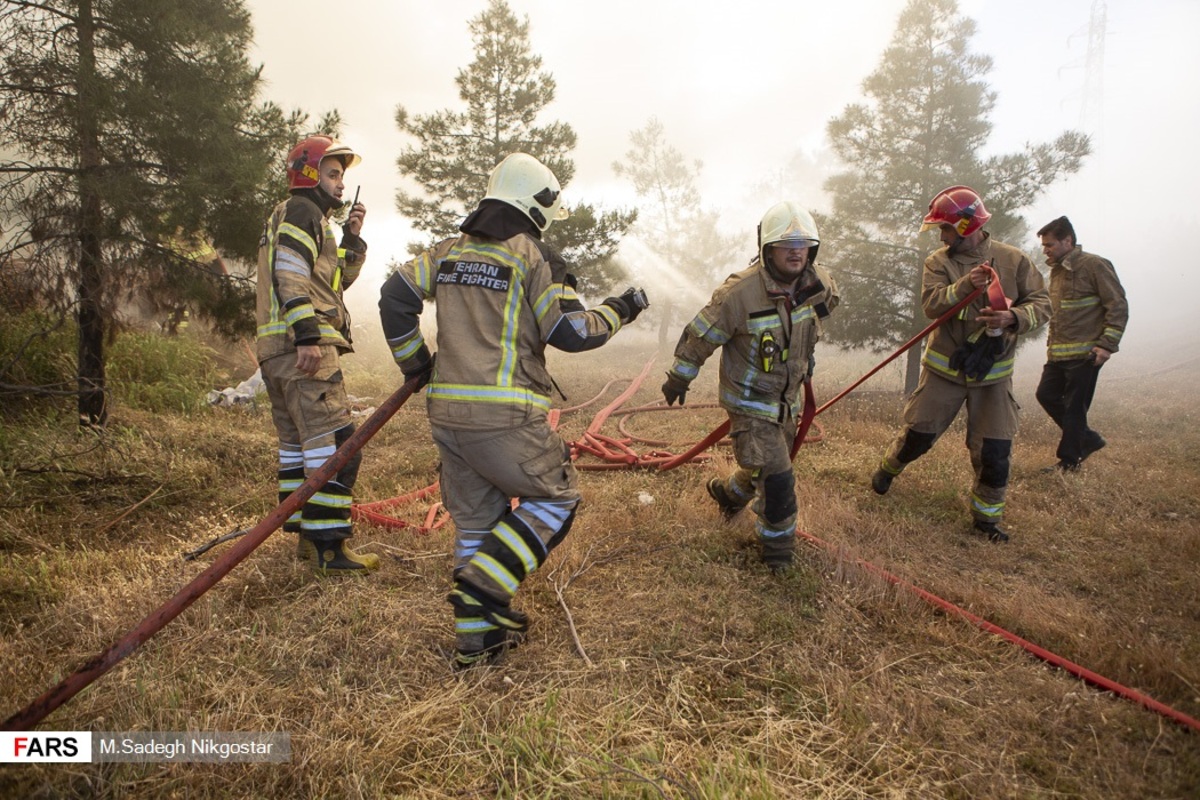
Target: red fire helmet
[(304, 160), (960, 206)]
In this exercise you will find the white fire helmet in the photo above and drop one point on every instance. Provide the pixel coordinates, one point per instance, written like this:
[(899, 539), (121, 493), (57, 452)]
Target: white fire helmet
[(527, 184), (787, 221)]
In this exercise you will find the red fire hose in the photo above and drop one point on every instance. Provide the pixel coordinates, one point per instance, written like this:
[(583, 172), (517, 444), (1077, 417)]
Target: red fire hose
[(1045, 655), (720, 432)]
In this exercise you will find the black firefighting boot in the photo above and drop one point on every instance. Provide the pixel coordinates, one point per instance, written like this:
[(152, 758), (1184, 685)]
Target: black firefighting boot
[(728, 505), (305, 551), (484, 630), (478, 643), (881, 481), (334, 557), (778, 552), (991, 530)]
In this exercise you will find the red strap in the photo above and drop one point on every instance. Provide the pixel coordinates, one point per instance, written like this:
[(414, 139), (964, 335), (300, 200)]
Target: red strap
[(995, 292), (806, 418)]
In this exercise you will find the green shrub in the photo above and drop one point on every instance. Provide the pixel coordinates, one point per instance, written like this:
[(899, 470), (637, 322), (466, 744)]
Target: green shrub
[(159, 373), (37, 349)]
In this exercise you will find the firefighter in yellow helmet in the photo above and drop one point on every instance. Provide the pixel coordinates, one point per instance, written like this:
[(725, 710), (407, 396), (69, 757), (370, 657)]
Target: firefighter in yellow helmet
[(502, 295), (969, 359), (303, 329), (766, 320)]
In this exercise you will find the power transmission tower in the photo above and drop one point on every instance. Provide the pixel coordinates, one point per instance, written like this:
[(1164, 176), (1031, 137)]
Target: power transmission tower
[(1091, 97), (1091, 113)]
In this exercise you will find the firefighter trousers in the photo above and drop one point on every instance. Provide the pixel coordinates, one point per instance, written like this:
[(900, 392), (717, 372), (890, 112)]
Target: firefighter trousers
[(312, 419), (991, 425)]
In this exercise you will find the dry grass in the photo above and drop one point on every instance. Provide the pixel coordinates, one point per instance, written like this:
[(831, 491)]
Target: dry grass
[(690, 672)]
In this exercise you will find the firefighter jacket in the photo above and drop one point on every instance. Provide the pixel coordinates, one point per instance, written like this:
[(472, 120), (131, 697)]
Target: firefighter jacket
[(767, 336), (301, 276), (1089, 305), (945, 282), (499, 303)]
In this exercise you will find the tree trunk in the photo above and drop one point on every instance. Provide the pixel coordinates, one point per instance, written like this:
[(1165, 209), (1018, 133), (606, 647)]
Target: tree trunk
[(665, 343), (912, 372), (93, 409), (912, 368)]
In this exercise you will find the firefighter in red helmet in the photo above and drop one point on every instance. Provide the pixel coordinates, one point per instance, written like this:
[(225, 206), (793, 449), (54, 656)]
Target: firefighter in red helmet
[(969, 359), (303, 330)]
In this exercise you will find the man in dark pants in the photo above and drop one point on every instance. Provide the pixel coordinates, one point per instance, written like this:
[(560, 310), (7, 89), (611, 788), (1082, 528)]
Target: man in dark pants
[(1089, 319)]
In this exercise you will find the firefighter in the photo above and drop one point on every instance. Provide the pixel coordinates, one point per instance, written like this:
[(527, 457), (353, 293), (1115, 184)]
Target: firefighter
[(1090, 313), (502, 295), (303, 330), (766, 319), (969, 359)]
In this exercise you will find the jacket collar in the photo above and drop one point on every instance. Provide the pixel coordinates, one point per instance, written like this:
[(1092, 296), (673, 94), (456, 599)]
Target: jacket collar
[(320, 199), (495, 219), (1068, 261)]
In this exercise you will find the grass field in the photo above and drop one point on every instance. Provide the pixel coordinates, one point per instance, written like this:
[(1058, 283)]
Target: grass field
[(663, 661)]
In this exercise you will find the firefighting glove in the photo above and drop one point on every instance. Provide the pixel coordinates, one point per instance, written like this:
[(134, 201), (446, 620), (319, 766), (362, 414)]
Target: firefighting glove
[(420, 366), (977, 358), (673, 389), (628, 305)]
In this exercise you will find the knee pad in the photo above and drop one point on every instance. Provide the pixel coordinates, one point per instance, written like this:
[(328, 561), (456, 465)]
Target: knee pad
[(915, 445), (779, 496), (348, 474), (994, 459)]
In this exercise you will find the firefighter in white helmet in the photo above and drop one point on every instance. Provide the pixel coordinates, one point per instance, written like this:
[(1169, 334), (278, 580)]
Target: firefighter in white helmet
[(969, 359), (303, 329), (767, 320), (502, 295)]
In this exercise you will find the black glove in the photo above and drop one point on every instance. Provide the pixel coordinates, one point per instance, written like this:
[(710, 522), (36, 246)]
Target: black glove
[(977, 358), (420, 366), (674, 388), (628, 305)]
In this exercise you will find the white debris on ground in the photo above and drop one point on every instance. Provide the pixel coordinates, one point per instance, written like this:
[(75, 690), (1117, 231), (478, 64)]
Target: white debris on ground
[(645, 498), (246, 392), (242, 394)]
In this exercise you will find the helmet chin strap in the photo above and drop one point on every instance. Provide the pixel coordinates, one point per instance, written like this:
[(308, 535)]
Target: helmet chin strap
[(328, 201)]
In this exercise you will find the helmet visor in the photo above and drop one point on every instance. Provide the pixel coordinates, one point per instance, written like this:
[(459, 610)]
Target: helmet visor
[(792, 244)]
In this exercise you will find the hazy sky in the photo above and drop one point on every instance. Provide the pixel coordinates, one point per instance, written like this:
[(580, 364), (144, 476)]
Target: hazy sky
[(744, 85)]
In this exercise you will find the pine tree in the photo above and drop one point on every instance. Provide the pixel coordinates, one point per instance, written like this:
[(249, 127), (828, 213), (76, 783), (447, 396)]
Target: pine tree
[(505, 89), (923, 128), (133, 128)]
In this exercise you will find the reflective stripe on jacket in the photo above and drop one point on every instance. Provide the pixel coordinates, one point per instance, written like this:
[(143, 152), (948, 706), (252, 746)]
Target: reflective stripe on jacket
[(765, 349), (946, 281), (302, 274), (1090, 309), (498, 305)]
